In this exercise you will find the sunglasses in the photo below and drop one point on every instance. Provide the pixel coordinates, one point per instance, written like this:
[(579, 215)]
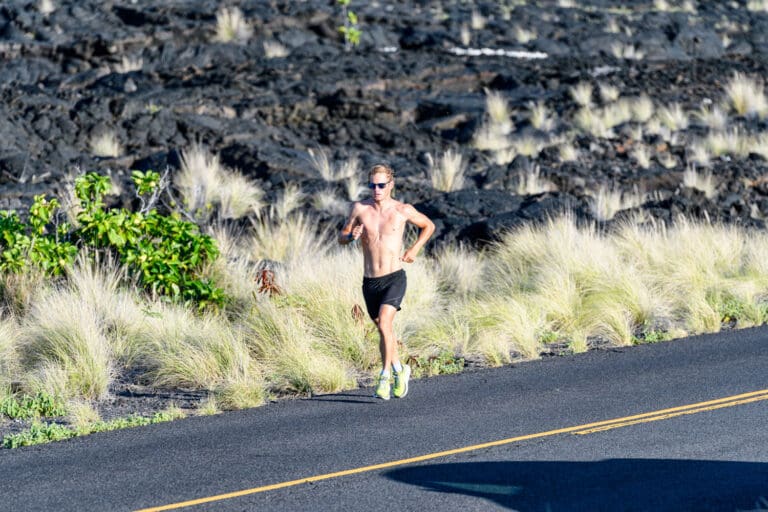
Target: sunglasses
[(380, 185)]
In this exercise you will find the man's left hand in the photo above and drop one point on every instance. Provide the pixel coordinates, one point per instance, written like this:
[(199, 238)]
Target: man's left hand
[(408, 257)]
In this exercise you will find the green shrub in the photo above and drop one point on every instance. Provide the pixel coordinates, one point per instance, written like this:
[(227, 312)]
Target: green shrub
[(165, 253), (35, 243)]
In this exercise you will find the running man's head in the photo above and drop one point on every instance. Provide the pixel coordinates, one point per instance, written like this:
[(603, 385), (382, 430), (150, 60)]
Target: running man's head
[(381, 181)]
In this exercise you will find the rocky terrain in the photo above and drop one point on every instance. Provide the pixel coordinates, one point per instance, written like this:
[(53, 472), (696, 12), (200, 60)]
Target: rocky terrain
[(153, 74)]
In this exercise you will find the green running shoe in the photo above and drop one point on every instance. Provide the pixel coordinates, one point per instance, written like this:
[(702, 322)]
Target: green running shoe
[(401, 382), (382, 388)]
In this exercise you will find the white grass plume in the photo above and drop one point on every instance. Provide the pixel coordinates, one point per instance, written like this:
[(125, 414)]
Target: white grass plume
[(642, 108), (105, 144), (704, 182), (128, 64), (673, 117), (288, 200), (608, 93), (447, 174), (531, 182), (287, 240), (540, 118), (582, 94), (204, 182), (459, 270), (275, 50), (747, 95), (608, 202), (714, 117), (231, 26)]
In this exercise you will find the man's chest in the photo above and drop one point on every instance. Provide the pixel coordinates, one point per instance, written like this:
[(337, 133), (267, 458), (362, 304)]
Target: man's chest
[(387, 222)]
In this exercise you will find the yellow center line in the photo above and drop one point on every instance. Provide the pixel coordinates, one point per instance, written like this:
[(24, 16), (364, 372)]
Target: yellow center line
[(588, 428), (672, 415)]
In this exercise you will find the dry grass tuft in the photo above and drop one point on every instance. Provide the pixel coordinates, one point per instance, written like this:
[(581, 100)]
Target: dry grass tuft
[(747, 95), (447, 174), (232, 27), (204, 182), (105, 145)]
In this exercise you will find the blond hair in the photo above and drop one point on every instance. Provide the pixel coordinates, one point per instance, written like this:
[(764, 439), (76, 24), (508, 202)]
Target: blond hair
[(382, 169)]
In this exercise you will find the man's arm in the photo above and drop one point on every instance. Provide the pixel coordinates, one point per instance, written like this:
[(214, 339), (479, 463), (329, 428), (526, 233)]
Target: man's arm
[(353, 229), (426, 226)]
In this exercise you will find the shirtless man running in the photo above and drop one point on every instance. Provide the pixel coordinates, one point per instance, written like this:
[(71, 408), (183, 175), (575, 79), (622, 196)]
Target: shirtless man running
[(380, 223)]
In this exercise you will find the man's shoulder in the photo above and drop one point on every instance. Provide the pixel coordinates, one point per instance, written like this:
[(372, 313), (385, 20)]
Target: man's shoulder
[(403, 207), (363, 203)]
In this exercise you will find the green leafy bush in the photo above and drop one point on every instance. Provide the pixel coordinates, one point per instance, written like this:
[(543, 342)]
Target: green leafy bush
[(35, 242), (165, 253)]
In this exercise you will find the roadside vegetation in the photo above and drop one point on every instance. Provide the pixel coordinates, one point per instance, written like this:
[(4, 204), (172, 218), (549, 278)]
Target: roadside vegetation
[(83, 312), (203, 286)]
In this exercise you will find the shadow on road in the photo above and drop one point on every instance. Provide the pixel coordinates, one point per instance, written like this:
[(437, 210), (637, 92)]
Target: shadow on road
[(610, 485), (358, 398)]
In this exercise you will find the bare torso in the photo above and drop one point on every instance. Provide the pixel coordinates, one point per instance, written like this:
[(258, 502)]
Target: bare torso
[(382, 237)]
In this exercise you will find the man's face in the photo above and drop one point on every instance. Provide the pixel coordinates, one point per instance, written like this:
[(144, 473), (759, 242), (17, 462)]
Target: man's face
[(380, 185)]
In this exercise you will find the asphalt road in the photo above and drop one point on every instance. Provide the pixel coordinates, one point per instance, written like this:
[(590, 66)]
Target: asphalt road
[(552, 452)]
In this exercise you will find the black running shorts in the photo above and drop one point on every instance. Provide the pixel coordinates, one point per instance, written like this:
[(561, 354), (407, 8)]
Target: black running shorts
[(388, 289)]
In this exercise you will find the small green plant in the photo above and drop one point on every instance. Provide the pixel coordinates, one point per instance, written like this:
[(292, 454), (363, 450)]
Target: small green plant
[(25, 407), (651, 336), (547, 337), (731, 309), (444, 363), (350, 30), (39, 433)]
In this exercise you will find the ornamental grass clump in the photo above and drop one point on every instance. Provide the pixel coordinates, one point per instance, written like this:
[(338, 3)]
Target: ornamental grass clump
[(205, 183), (9, 356), (200, 352), (492, 133), (576, 279), (295, 361), (503, 329), (232, 27), (64, 350), (334, 311), (747, 96), (287, 240), (447, 174), (105, 144), (458, 270)]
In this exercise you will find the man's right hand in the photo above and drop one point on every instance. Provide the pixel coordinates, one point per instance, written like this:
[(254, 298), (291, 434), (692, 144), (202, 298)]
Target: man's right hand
[(353, 235), (357, 232)]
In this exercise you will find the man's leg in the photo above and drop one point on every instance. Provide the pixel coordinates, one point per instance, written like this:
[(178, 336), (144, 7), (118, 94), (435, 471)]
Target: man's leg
[(387, 341), (389, 352)]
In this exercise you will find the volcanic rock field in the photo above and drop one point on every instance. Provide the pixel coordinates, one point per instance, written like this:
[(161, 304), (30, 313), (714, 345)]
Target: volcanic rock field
[(611, 110)]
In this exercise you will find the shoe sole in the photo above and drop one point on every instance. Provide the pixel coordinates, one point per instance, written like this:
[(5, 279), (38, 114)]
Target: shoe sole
[(407, 380)]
